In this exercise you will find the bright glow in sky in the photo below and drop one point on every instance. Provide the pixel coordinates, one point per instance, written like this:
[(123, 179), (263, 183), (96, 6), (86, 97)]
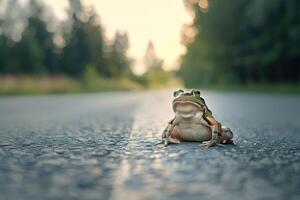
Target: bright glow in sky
[(157, 20)]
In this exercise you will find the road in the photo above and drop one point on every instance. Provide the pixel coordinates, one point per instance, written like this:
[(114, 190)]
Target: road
[(101, 146)]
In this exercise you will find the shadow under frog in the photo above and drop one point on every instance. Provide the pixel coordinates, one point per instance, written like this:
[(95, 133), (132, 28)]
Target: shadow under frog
[(194, 122)]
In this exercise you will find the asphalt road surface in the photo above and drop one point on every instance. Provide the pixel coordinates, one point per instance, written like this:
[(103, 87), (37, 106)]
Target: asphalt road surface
[(101, 146)]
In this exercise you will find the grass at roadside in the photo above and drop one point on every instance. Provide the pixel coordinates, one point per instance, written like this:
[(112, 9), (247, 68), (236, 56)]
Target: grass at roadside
[(19, 85), (15, 85)]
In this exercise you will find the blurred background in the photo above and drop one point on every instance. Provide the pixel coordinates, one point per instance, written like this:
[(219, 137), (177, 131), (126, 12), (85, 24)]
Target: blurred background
[(101, 145), (87, 46)]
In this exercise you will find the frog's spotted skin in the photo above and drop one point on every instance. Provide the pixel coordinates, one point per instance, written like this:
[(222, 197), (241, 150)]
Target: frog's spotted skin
[(193, 121)]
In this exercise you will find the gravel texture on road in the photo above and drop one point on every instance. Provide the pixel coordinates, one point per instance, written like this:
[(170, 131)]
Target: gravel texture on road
[(101, 146)]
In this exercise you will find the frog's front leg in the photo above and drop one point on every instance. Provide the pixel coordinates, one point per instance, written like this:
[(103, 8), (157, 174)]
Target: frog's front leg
[(214, 140), (167, 135), (215, 131)]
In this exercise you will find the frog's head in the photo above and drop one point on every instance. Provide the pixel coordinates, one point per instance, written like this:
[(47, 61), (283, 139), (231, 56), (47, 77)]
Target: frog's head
[(188, 104)]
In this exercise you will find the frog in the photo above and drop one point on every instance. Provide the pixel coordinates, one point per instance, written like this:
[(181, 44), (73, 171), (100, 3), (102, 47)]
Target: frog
[(194, 122)]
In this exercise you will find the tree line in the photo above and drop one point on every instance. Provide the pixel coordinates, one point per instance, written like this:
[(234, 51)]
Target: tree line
[(241, 41), (33, 42)]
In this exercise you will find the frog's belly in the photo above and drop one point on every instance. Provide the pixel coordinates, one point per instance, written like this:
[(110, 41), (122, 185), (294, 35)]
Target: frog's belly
[(192, 132)]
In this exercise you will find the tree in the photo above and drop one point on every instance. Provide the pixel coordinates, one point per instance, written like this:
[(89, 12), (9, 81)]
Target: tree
[(241, 42), (155, 74), (84, 43), (209, 54), (119, 62), (3, 53), (33, 54), (37, 32), (27, 46)]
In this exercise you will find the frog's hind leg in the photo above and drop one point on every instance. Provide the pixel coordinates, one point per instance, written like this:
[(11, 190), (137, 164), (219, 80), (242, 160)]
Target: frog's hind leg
[(226, 136)]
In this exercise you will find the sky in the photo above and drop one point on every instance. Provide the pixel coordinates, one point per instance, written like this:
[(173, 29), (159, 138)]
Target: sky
[(157, 20)]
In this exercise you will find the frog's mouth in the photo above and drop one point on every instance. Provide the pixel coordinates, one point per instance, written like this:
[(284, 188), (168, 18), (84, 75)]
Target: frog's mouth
[(187, 114), (186, 103)]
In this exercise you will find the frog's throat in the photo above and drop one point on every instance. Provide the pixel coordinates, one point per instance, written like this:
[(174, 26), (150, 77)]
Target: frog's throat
[(187, 102)]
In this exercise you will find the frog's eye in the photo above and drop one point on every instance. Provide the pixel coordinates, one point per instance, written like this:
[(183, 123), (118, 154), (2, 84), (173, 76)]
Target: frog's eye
[(196, 92), (178, 92)]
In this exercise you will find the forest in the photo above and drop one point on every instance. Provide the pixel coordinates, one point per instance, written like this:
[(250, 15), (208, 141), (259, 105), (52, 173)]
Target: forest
[(228, 43), (70, 55), (242, 42), (52, 47)]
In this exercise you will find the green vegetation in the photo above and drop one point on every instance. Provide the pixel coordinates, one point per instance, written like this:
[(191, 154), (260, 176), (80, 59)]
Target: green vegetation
[(243, 44), (67, 48), (61, 84), (155, 76), (279, 88), (239, 45), (40, 54)]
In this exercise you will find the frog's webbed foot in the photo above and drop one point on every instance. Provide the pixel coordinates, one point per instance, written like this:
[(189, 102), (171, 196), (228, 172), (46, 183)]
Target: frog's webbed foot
[(210, 143), (227, 142), (161, 144), (207, 144), (165, 142), (173, 141)]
